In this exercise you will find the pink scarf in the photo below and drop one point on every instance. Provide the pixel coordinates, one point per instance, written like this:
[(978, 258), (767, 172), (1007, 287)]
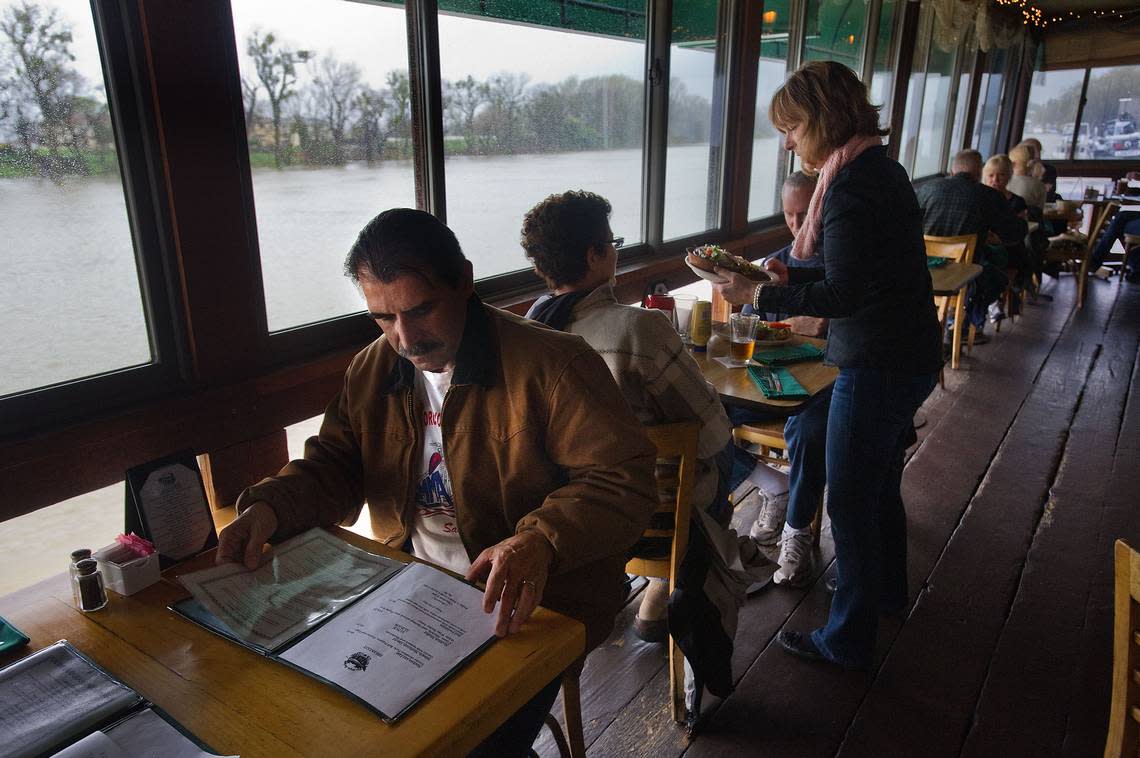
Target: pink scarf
[(803, 247)]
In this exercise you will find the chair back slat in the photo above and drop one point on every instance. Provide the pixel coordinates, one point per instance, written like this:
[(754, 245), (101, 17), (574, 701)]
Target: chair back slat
[(1123, 725), (960, 248)]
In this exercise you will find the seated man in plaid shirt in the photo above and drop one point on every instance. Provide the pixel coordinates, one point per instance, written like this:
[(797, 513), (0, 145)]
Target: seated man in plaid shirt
[(568, 239)]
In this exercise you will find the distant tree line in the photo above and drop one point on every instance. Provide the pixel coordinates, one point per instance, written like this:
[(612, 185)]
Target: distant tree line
[(336, 116), (51, 123)]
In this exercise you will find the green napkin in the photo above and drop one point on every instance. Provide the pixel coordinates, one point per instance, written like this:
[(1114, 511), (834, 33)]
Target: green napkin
[(934, 261), (792, 390), (778, 356), (10, 636)]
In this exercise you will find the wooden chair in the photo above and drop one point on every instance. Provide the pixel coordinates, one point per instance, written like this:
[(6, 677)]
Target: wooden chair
[(1124, 716), (959, 249), (1098, 225), (676, 473), (770, 437)]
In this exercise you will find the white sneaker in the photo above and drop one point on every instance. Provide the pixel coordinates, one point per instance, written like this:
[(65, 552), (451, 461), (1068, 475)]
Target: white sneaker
[(995, 312), (796, 559), (1103, 273), (770, 520)]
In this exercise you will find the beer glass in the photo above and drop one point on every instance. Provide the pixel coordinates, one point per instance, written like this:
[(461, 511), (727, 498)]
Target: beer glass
[(742, 332)]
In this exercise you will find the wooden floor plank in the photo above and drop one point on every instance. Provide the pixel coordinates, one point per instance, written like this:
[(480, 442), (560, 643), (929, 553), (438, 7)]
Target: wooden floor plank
[(1029, 690), (940, 659)]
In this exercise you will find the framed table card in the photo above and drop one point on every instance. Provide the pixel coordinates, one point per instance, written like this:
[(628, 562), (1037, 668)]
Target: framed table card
[(166, 503)]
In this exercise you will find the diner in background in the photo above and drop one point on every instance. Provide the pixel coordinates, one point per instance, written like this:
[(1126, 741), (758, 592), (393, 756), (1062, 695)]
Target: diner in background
[(568, 240), (866, 224), (482, 442), (962, 204)]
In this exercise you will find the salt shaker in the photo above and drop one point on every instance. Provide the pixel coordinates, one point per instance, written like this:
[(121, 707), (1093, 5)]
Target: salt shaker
[(89, 586), (72, 572)]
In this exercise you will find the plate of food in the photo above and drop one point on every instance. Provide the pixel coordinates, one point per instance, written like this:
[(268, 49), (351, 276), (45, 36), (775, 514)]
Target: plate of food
[(773, 333), (703, 259)]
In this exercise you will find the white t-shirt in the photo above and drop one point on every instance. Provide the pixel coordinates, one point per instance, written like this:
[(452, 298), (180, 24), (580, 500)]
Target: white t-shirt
[(435, 532)]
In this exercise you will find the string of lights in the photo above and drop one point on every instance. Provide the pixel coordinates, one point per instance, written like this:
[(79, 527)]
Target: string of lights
[(1033, 16)]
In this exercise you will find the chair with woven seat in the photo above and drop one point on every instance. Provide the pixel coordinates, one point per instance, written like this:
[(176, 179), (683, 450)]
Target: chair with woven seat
[(1124, 714), (959, 249), (667, 536)]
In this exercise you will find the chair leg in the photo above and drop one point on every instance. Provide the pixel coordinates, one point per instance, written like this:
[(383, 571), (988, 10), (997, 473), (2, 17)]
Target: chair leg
[(572, 713), (973, 332), (677, 681)]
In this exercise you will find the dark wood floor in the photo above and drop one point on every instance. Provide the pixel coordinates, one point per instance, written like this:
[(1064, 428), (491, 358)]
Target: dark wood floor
[(1025, 473)]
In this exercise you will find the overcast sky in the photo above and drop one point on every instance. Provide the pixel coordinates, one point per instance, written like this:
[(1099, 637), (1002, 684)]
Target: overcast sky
[(374, 38)]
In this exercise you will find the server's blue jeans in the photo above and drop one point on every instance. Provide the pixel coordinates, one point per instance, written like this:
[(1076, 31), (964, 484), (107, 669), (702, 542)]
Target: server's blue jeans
[(806, 436), (871, 414)]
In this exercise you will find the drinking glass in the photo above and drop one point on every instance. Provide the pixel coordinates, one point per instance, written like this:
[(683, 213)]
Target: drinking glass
[(683, 314), (742, 333)]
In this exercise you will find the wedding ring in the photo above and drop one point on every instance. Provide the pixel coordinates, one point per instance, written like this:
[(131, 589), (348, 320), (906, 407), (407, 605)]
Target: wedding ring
[(530, 583)]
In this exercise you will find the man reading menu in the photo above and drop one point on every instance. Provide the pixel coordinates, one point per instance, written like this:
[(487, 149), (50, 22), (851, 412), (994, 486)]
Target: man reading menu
[(482, 442)]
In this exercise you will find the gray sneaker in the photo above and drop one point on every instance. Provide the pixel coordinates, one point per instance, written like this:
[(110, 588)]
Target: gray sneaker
[(796, 559), (770, 520)]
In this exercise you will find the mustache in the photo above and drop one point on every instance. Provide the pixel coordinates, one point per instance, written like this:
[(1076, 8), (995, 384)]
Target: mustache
[(419, 349)]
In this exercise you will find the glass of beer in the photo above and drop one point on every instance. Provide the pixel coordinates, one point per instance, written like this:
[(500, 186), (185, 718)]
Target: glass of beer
[(742, 332)]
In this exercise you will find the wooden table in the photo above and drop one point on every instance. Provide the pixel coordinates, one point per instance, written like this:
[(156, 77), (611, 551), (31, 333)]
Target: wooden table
[(950, 281), (237, 701), (737, 388)]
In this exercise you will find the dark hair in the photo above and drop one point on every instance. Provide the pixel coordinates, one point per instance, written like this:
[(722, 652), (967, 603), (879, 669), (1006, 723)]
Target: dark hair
[(404, 241), (557, 233), (831, 102)]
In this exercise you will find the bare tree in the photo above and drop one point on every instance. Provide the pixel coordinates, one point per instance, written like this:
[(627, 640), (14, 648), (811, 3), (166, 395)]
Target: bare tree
[(400, 99), (507, 96), (42, 87), (372, 106), (464, 98), (276, 66), (249, 88), (335, 86)]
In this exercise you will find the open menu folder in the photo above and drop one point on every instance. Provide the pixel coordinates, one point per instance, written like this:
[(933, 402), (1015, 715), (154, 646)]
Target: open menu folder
[(58, 698), (385, 632)]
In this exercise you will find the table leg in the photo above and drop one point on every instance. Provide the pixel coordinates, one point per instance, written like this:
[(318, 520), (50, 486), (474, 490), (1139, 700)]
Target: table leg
[(959, 315)]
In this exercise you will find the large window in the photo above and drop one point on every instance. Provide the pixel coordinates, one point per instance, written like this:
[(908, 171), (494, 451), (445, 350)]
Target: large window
[(883, 68), (327, 111), (767, 147), (1054, 97), (71, 287), (531, 111), (912, 115), (935, 103), (692, 161), (989, 102), (1112, 110), (834, 32)]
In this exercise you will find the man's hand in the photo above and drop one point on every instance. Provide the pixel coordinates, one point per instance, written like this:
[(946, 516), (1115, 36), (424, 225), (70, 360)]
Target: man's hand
[(808, 326), (243, 539), (738, 290), (515, 571)]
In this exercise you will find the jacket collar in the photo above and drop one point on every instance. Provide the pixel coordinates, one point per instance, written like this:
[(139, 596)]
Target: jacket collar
[(476, 361)]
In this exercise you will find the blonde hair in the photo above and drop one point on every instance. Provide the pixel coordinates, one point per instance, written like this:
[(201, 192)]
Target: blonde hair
[(831, 104), (999, 164), (1021, 155), (1036, 169)]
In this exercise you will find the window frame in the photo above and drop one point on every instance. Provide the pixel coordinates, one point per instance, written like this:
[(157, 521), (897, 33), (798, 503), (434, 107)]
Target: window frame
[(120, 44)]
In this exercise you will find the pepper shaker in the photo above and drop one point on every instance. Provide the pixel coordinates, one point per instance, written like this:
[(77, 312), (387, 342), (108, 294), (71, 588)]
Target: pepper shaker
[(89, 586), (72, 572)]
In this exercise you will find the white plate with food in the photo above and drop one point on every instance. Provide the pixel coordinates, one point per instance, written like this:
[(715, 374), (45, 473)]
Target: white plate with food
[(703, 259)]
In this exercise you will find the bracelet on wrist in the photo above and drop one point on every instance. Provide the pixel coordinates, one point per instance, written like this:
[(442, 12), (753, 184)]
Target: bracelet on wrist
[(756, 297)]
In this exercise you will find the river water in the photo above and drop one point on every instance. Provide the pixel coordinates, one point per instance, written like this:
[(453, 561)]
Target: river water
[(71, 294)]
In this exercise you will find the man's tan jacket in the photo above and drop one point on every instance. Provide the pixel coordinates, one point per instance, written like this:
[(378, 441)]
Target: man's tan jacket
[(536, 437)]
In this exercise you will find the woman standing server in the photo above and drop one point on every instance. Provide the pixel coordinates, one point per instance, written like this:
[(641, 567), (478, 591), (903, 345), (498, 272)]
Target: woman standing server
[(866, 225)]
